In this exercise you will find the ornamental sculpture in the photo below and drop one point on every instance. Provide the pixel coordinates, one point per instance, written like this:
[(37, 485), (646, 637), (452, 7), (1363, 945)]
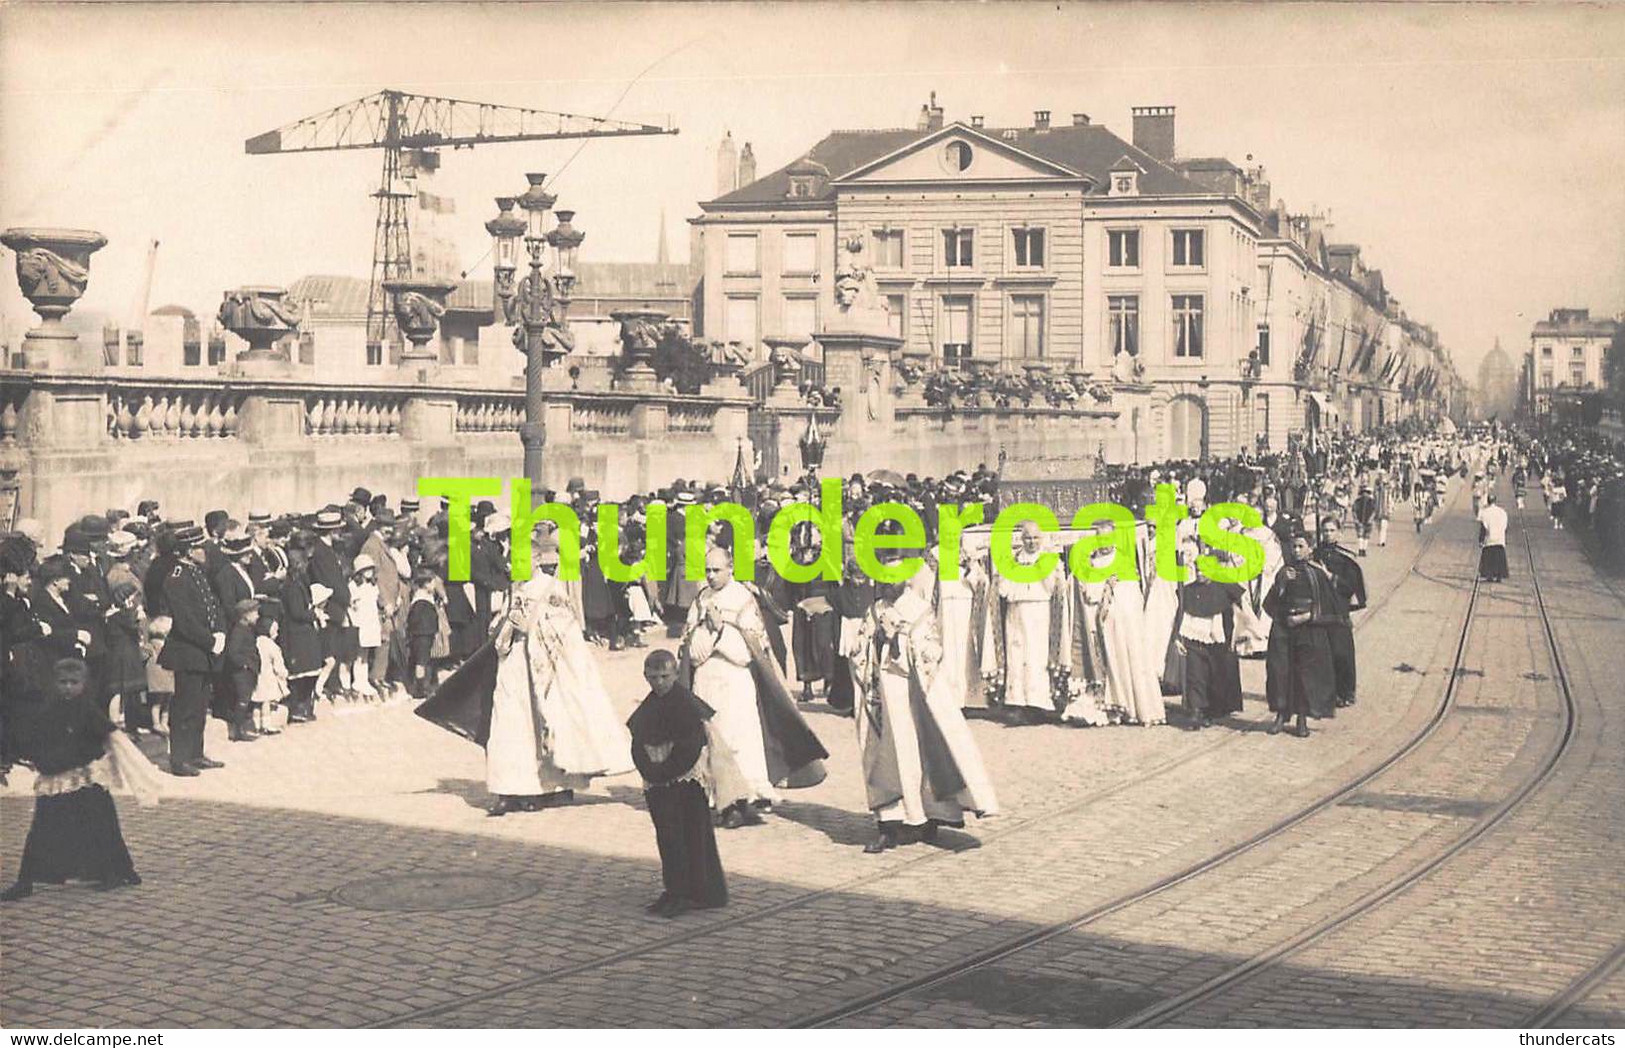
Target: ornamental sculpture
[(535, 313), (857, 293), (53, 266), (259, 316), (42, 272), (53, 269), (418, 306)]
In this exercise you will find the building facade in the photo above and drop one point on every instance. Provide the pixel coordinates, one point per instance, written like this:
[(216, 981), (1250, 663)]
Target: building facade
[(1566, 355), (1063, 245)]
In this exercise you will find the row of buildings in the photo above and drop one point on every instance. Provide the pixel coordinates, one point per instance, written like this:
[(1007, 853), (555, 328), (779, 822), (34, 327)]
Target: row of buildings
[(1060, 243)]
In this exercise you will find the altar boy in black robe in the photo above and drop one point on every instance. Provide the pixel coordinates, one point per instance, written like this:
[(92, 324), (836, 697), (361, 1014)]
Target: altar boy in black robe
[(668, 747)]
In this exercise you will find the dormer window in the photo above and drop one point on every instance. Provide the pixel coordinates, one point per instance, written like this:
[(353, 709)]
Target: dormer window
[(807, 179), (1125, 178)]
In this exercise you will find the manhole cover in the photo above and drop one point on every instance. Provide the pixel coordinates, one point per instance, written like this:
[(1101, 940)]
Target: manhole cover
[(432, 891)]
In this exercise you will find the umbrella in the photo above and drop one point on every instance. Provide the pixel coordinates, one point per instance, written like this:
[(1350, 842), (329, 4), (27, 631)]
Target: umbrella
[(887, 476)]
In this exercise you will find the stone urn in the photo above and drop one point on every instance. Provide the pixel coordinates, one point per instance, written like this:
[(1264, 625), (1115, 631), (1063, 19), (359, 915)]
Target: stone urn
[(53, 269), (418, 307), (261, 316), (640, 337)]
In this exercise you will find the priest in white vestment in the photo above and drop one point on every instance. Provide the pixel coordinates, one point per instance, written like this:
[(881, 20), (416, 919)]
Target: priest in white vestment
[(922, 768), (553, 728), (1027, 686)]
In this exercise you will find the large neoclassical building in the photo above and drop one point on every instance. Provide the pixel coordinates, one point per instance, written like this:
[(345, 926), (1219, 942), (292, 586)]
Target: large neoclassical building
[(1062, 242)]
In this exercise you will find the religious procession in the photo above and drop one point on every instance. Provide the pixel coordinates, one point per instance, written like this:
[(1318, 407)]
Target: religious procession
[(119, 641)]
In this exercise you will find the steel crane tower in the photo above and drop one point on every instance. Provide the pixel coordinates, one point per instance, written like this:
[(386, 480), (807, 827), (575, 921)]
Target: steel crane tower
[(396, 121)]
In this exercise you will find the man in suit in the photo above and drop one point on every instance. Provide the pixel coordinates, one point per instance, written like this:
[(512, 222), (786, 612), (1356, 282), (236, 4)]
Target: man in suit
[(216, 523), (192, 652), (330, 567), (234, 582), (392, 594)]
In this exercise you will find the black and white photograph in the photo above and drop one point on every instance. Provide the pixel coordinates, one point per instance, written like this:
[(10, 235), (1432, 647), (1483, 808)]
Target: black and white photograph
[(749, 515)]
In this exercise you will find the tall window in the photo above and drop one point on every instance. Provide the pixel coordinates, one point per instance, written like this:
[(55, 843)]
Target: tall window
[(1262, 421), (1123, 319), (1189, 247), (1123, 248), (741, 321), (888, 248), (957, 246), (1577, 374), (956, 329), (800, 316), (1029, 245), (1545, 380), (742, 255), (1027, 326), (1263, 344), (801, 253), (1187, 325), (896, 315)]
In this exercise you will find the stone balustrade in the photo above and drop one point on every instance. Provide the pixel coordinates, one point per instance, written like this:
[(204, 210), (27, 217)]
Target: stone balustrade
[(72, 443)]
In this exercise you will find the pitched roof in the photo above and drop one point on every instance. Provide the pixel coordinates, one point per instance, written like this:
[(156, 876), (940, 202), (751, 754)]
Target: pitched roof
[(1089, 149), (345, 297)]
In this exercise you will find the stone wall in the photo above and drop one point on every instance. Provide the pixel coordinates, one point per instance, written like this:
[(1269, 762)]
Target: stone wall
[(76, 444)]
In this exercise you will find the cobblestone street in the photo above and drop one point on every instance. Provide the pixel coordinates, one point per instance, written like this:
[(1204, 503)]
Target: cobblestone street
[(318, 879)]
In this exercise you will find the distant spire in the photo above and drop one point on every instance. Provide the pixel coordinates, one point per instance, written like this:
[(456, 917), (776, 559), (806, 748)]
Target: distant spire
[(662, 255)]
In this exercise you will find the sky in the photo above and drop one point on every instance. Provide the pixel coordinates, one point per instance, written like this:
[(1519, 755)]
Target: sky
[(1475, 151)]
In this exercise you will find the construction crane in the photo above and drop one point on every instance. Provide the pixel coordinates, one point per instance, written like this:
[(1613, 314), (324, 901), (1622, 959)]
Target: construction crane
[(398, 122)]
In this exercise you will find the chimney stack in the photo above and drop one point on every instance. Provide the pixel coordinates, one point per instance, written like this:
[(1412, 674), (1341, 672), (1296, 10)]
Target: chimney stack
[(977, 121), (727, 165), (933, 114), (1080, 119), (747, 166), (1041, 120), (1154, 131)]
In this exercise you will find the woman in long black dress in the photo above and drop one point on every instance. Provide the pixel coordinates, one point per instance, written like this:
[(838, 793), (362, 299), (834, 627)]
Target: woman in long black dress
[(75, 833), (1298, 664)]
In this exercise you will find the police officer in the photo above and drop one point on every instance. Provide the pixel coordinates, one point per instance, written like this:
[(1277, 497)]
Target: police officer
[(192, 652)]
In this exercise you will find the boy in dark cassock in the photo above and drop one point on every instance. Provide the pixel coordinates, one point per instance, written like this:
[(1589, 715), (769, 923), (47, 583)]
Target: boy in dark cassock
[(1348, 595), (668, 747), (75, 832)]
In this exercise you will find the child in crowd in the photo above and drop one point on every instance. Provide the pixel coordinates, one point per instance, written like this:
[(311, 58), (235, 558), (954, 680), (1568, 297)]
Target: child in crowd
[(669, 749), (422, 623), (160, 682), (242, 657), (367, 621), (271, 687)]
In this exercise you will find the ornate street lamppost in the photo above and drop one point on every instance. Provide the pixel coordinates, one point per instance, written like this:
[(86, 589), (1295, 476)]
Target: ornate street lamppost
[(542, 330)]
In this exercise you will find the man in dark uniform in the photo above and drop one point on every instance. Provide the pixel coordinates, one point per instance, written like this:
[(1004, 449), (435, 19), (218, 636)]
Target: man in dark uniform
[(152, 586), (192, 652), (1348, 595)]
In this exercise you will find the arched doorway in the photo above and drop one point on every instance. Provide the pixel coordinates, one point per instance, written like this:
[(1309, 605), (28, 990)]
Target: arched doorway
[(1187, 428)]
